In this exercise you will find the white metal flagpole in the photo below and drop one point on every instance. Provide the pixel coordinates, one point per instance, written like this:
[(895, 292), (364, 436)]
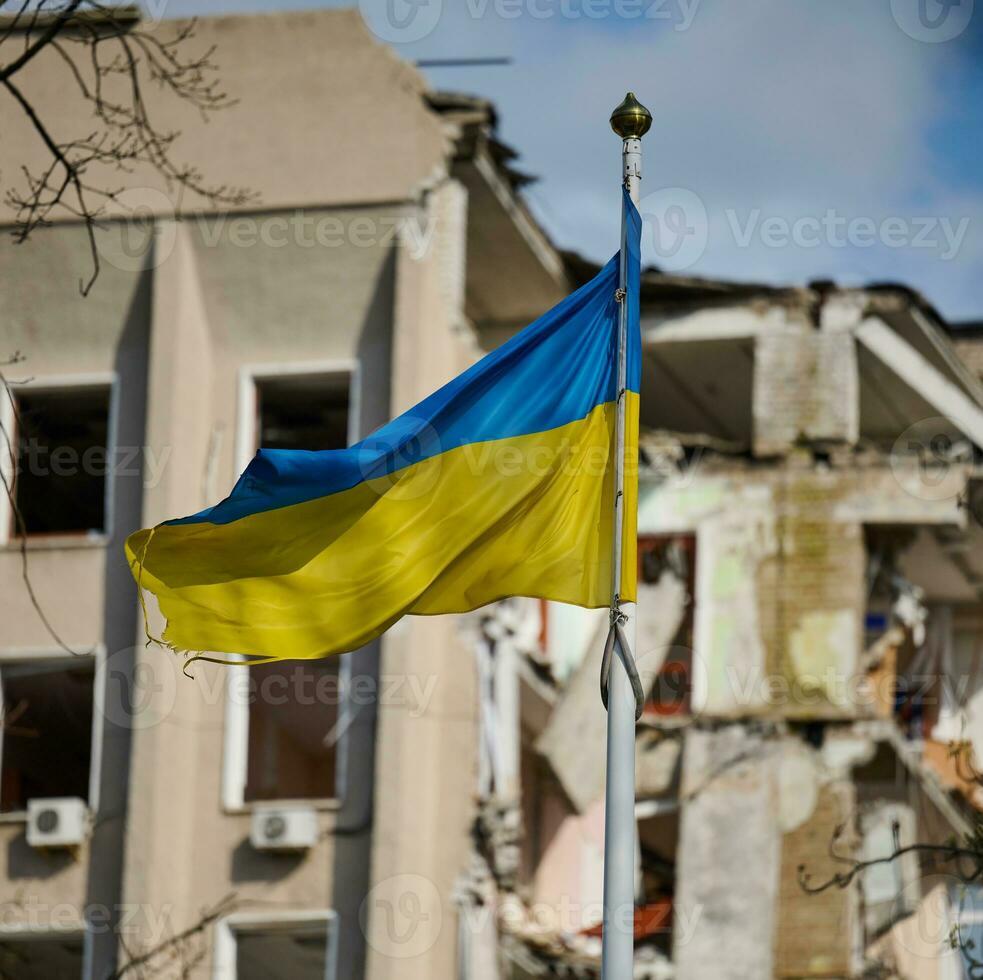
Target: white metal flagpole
[(630, 121)]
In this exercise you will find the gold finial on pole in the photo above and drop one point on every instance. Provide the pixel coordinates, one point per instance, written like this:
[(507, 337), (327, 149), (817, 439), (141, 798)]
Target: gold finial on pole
[(631, 120)]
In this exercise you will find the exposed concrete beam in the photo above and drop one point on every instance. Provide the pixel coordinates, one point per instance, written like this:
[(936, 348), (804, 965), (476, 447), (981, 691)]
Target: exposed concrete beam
[(731, 323), (871, 495), (944, 396), (898, 495), (946, 351)]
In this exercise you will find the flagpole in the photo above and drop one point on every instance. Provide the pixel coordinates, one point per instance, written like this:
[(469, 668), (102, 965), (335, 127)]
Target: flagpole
[(630, 121)]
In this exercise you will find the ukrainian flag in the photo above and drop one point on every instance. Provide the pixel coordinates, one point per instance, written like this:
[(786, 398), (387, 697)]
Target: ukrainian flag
[(499, 484)]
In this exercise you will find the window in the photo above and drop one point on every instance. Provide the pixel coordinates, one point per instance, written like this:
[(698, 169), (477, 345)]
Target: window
[(292, 948), (293, 731), (46, 741), (32, 955), (63, 458), (304, 411), (285, 721)]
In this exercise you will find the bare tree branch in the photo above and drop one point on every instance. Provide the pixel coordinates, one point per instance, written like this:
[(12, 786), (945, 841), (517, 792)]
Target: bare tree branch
[(46, 36), (180, 947), (109, 56)]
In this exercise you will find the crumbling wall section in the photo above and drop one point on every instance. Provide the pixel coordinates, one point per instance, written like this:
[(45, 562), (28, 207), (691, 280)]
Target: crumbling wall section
[(780, 589), (760, 803), (810, 595), (806, 389), (728, 857), (816, 933)]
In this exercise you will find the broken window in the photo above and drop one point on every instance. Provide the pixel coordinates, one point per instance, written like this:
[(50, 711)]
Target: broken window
[(62, 460), (53, 956), (308, 411), (46, 736), (293, 951), (294, 730), (676, 555), (658, 840)]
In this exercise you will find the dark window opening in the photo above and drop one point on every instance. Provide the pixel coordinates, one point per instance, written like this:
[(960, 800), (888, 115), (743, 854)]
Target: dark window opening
[(293, 730), (47, 731), (675, 554), (297, 952), (52, 957), (303, 412), (62, 460), (658, 838)]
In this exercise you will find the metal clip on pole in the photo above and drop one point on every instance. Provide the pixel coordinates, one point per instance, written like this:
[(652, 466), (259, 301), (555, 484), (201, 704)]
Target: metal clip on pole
[(617, 638)]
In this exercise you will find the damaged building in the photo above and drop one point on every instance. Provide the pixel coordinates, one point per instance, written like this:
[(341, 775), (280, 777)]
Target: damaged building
[(810, 639)]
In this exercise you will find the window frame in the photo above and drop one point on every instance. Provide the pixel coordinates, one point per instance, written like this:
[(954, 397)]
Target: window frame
[(235, 764), (251, 375), (42, 385), (14, 655), (227, 930), (12, 932), (235, 755)]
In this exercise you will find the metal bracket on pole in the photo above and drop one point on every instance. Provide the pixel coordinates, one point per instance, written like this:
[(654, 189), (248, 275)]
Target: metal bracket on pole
[(617, 638)]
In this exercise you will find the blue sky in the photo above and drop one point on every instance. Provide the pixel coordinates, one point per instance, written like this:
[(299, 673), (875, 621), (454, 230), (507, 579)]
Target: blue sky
[(793, 139)]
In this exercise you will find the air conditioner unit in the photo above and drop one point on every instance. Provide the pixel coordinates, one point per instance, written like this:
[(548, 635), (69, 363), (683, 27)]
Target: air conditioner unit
[(283, 828), (58, 822)]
